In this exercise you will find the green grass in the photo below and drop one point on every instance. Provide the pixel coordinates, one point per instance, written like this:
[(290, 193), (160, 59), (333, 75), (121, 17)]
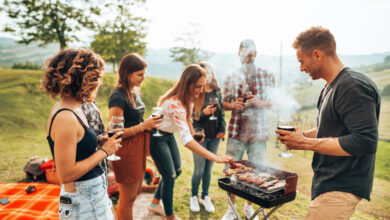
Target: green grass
[(23, 117)]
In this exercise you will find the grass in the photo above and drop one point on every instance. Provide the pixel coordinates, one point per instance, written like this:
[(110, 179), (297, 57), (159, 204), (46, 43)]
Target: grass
[(23, 116)]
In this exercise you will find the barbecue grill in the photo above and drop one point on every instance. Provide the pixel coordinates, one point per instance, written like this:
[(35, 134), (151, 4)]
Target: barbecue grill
[(264, 198)]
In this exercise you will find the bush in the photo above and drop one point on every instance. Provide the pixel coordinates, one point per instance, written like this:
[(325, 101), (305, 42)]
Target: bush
[(26, 66), (386, 91)]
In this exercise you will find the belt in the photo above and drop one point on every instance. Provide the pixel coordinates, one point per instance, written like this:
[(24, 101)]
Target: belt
[(162, 132)]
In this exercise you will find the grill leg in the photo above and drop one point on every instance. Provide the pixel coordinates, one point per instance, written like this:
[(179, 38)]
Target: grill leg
[(233, 207), (270, 213), (257, 212)]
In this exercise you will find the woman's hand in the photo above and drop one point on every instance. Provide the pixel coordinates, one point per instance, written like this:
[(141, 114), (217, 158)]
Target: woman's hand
[(112, 144), (152, 122), (209, 110), (223, 159), (220, 135), (102, 139)]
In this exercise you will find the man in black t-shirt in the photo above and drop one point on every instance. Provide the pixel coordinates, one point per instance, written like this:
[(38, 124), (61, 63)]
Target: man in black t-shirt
[(346, 138)]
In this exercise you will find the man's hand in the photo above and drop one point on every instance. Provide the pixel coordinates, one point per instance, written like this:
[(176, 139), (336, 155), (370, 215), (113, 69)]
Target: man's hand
[(257, 102), (294, 140), (238, 104)]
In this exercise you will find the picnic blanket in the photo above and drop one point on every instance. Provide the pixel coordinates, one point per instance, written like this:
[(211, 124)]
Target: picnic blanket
[(41, 204)]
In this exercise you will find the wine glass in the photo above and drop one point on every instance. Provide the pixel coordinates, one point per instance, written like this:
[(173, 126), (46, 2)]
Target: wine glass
[(246, 95), (285, 154), (115, 125), (214, 102), (157, 111), (199, 134)]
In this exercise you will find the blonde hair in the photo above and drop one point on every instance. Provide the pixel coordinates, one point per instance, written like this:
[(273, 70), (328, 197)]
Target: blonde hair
[(184, 90)]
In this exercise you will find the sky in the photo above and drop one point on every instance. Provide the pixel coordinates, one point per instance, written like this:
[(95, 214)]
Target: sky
[(359, 26)]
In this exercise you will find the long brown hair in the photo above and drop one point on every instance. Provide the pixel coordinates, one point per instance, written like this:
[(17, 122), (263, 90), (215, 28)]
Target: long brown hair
[(129, 64), (185, 88)]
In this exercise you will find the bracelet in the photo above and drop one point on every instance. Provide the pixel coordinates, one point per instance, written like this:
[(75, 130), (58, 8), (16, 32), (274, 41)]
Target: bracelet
[(132, 130), (142, 127), (104, 151), (303, 133)]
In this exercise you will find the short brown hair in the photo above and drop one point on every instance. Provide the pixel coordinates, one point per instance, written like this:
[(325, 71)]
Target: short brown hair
[(73, 72), (316, 38)]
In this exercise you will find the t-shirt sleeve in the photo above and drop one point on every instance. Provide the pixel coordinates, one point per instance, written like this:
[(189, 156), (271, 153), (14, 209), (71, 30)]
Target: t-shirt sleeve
[(179, 116), (117, 99), (357, 109)]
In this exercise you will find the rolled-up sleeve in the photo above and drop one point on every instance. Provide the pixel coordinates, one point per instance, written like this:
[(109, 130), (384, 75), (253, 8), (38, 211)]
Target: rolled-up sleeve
[(358, 110), (179, 115)]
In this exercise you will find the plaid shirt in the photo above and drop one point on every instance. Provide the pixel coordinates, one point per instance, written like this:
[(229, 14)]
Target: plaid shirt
[(252, 127)]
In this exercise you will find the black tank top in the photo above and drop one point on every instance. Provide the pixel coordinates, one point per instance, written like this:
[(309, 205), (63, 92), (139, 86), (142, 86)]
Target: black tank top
[(85, 147)]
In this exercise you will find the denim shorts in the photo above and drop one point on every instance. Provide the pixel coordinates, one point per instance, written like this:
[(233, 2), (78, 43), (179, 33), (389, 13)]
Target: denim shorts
[(89, 201)]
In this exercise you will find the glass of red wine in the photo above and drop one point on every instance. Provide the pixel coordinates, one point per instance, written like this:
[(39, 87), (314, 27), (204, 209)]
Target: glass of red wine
[(213, 101), (199, 134), (157, 111), (116, 124), (285, 154), (246, 96)]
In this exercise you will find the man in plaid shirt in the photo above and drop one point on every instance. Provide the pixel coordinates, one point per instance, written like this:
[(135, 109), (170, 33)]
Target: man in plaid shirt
[(248, 129)]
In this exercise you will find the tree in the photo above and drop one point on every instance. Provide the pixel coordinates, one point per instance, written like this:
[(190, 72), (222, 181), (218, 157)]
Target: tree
[(49, 21), (189, 50), (123, 34), (387, 59)]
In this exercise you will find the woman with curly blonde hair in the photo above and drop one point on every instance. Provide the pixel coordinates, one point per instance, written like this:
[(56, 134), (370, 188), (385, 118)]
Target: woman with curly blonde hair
[(75, 75)]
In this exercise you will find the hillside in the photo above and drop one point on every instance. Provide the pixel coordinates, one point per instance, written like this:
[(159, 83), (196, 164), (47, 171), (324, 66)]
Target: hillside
[(307, 96), (160, 63), (24, 110), (23, 115)]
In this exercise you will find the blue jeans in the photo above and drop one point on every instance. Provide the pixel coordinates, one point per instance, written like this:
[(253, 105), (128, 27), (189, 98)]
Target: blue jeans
[(202, 168), (255, 151), (166, 156), (89, 201)]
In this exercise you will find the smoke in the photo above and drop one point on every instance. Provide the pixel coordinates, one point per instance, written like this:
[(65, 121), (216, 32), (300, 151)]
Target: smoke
[(283, 102)]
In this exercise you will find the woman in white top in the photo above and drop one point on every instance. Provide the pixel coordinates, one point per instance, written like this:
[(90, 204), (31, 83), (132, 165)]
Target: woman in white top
[(178, 105)]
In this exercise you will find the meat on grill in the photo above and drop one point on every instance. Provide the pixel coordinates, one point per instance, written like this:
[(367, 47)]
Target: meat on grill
[(268, 184), (277, 185)]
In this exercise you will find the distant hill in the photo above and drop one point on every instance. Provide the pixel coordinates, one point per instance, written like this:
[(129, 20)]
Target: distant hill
[(160, 63)]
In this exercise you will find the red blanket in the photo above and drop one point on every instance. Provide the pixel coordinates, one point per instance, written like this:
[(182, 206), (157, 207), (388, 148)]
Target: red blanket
[(41, 204)]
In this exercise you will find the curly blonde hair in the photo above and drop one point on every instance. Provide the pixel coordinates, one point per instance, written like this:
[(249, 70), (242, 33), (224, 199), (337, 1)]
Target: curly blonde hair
[(73, 72)]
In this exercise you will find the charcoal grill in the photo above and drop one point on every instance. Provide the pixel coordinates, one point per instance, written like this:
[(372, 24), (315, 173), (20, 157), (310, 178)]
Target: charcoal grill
[(264, 198)]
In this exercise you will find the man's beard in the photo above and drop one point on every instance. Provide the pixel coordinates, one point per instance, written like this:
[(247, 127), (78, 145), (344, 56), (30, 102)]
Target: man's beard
[(248, 68)]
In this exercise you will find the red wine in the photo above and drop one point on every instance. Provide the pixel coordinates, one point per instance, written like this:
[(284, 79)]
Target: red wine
[(111, 133), (286, 127), (198, 137)]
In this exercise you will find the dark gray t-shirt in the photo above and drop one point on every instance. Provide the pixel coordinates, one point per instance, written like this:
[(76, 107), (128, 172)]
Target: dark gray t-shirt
[(133, 116), (348, 110)]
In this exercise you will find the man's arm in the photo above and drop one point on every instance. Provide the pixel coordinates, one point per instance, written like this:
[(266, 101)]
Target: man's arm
[(296, 141)]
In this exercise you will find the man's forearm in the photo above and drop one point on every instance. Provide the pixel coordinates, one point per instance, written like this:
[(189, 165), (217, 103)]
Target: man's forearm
[(329, 146), (227, 106), (312, 133)]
